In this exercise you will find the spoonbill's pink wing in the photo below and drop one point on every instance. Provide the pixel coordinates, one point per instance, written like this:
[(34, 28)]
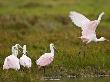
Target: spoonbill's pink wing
[(79, 19), (88, 34), (25, 61), (11, 62), (93, 25), (5, 66), (100, 16), (45, 59), (89, 31)]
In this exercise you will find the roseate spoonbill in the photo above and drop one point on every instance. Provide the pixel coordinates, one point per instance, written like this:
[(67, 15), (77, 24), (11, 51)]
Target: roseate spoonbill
[(88, 27), (24, 60), (12, 62), (46, 58)]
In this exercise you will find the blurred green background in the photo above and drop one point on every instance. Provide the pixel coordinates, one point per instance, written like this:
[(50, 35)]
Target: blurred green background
[(37, 23)]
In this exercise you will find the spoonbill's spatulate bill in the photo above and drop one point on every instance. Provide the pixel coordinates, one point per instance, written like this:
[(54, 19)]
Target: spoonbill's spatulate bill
[(88, 27), (46, 58), (12, 62), (24, 60)]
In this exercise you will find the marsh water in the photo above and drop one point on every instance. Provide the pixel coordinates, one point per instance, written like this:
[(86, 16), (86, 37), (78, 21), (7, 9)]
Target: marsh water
[(101, 79)]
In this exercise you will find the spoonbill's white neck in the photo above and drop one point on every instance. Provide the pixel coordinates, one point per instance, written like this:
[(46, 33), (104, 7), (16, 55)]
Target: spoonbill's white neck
[(14, 51), (24, 50), (52, 48), (100, 39)]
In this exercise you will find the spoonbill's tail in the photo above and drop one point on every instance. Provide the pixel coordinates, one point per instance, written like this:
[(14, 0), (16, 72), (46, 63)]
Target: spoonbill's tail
[(100, 16)]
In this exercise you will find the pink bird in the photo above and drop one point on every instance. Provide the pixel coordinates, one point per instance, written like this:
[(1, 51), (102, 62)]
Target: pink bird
[(25, 61), (12, 62), (88, 27), (46, 58)]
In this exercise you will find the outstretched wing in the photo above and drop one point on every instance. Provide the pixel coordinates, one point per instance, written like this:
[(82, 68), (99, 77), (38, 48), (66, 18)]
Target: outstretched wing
[(79, 19), (100, 16)]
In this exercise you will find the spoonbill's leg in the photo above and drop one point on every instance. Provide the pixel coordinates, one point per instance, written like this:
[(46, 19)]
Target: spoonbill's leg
[(40, 68), (44, 70), (84, 49), (80, 49)]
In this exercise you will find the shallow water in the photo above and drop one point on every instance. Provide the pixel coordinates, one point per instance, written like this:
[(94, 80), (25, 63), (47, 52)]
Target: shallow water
[(101, 79)]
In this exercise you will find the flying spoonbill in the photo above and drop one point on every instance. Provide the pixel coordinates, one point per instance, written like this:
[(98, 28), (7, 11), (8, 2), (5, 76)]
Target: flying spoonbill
[(88, 27)]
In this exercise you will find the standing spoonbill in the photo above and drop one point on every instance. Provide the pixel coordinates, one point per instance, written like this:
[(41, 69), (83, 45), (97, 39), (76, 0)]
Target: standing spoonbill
[(24, 60), (12, 62), (88, 27), (46, 58)]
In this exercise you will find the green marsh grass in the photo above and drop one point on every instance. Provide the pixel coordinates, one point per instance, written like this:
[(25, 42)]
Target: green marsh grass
[(38, 23)]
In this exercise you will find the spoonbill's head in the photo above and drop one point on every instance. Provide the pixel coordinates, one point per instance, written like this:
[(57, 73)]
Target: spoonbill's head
[(16, 51), (52, 46), (103, 39), (18, 46)]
